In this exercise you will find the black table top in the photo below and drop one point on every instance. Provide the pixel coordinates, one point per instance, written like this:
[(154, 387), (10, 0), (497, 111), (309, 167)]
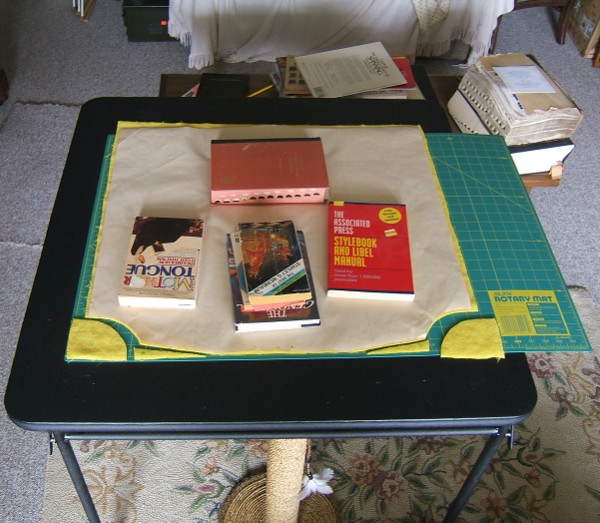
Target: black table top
[(249, 398)]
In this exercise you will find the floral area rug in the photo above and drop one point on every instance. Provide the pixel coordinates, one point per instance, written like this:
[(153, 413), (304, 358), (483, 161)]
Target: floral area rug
[(551, 474)]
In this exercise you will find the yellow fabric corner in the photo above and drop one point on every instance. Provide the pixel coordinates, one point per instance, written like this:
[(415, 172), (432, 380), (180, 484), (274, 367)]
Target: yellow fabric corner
[(93, 340), (475, 339), (146, 354), (405, 348)]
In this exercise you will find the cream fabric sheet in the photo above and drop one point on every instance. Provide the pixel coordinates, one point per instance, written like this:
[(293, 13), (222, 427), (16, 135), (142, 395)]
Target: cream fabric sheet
[(166, 172), (250, 30)]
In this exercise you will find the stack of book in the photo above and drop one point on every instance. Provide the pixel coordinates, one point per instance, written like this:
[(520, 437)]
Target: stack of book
[(511, 95), (270, 277), (365, 71), (288, 79)]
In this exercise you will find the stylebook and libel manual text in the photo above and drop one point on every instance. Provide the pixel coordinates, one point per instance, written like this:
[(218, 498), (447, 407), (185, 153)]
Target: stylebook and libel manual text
[(369, 253)]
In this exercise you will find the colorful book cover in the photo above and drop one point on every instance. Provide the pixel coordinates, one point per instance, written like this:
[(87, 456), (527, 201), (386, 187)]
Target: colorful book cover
[(286, 316), (268, 171), (369, 254), (293, 83), (274, 267), (161, 269), (235, 243)]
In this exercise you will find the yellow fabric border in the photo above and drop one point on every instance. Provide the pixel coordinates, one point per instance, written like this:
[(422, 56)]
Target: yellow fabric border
[(161, 353), (100, 228), (461, 260)]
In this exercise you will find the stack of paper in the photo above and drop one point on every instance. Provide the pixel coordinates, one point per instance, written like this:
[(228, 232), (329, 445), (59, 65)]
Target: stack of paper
[(511, 95), (349, 71), (364, 71)]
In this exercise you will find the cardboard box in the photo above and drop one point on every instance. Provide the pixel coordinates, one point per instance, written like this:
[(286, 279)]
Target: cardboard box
[(584, 26)]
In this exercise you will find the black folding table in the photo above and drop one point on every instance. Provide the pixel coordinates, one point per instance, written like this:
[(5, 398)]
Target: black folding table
[(357, 397)]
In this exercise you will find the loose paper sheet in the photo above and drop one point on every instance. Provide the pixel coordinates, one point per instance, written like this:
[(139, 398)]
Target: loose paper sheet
[(165, 171), (524, 79)]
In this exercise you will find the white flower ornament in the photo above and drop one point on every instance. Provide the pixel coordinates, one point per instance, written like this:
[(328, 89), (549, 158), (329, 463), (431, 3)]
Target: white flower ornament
[(316, 483)]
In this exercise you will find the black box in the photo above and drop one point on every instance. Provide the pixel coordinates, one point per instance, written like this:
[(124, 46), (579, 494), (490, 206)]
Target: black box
[(223, 85), (3, 86), (147, 21)]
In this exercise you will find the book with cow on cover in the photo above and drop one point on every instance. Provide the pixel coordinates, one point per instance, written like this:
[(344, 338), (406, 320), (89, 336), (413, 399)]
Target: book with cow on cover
[(369, 253), (161, 269)]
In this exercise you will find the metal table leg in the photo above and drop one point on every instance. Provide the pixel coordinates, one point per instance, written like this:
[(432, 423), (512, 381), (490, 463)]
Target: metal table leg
[(485, 457), (487, 454), (72, 464)]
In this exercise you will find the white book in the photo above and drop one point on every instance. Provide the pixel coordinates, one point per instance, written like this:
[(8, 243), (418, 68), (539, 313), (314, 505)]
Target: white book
[(465, 116), (161, 268), (540, 157), (515, 97), (533, 158)]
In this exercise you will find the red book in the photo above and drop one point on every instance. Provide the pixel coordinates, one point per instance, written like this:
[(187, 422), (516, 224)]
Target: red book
[(369, 254), (403, 64), (288, 170)]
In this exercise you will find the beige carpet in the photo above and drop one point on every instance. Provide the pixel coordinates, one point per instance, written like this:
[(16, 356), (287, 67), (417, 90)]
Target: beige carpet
[(551, 474)]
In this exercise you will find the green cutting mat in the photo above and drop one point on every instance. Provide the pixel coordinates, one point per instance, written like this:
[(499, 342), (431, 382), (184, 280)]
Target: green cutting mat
[(511, 266)]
